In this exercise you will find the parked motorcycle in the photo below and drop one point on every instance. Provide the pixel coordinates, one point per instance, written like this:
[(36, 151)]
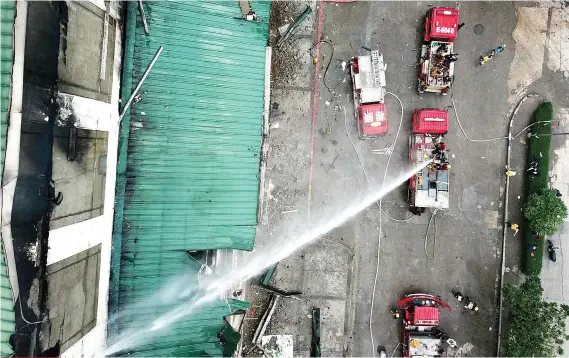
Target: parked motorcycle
[(551, 249)]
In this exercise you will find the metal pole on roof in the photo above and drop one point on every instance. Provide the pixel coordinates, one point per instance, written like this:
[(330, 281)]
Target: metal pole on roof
[(146, 31), (127, 105)]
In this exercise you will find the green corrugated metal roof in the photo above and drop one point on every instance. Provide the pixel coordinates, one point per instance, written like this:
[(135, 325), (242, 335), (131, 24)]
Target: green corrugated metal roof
[(188, 165), (7, 318), (7, 12)]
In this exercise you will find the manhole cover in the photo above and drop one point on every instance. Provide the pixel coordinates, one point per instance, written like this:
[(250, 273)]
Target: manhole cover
[(478, 29)]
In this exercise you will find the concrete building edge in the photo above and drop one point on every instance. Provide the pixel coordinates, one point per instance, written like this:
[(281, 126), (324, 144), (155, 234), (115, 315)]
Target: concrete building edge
[(94, 342), (263, 165), (122, 148), (11, 164), (265, 133)]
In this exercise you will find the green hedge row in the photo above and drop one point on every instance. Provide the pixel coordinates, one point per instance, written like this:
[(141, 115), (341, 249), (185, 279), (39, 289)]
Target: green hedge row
[(540, 148)]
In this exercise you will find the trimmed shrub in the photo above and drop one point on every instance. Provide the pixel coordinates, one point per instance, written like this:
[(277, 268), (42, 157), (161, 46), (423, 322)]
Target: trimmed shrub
[(540, 148)]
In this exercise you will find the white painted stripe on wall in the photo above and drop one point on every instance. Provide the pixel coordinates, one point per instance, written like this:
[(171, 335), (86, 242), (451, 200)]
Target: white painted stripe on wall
[(89, 113)]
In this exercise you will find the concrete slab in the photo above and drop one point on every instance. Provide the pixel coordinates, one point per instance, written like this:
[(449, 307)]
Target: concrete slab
[(81, 180), (86, 53), (72, 298)]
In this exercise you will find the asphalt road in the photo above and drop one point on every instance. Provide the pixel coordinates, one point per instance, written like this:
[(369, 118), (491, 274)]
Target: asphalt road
[(468, 242), (329, 177)]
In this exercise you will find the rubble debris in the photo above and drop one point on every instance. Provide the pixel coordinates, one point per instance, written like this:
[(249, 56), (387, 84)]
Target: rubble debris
[(315, 350), (264, 322), (269, 274), (294, 27), (332, 164), (291, 294), (278, 345)]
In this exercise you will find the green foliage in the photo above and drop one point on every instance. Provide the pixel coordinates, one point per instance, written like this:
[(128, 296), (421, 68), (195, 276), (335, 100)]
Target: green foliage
[(537, 328), (532, 264), (539, 147), (545, 212)]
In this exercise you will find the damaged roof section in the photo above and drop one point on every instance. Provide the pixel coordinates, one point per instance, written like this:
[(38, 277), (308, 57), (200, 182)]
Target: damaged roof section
[(189, 155), (7, 323)]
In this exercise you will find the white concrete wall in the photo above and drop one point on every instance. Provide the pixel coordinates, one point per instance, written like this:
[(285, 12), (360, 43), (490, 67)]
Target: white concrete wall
[(70, 240)]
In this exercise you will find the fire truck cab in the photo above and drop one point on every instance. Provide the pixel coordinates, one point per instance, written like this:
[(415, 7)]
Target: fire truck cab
[(441, 23), (368, 82), (429, 188), (421, 334)]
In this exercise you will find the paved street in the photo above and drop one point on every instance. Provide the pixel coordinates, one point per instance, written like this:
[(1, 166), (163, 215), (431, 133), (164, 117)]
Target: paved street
[(311, 170)]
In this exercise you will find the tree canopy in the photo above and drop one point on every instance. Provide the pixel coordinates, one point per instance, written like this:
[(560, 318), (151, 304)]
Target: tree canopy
[(545, 212), (536, 328)]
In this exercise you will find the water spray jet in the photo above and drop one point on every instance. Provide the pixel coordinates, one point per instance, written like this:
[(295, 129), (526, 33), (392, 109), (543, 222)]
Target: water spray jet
[(281, 248)]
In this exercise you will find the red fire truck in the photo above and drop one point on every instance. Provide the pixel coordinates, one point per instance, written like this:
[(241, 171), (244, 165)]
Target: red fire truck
[(368, 83), (437, 69), (429, 188), (421, 334)]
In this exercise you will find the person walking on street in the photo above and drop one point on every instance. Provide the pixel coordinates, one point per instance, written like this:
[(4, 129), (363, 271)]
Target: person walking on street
[(484, 59), (395, 314), (457, 295), (471, 305), (514, 227), (510, 173), (499, 49)]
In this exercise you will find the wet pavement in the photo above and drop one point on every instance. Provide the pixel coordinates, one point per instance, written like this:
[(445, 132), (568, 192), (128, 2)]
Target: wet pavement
[(312, 168)]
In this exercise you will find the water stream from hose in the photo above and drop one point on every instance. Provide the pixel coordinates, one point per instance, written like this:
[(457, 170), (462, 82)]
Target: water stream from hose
[(279, 248)]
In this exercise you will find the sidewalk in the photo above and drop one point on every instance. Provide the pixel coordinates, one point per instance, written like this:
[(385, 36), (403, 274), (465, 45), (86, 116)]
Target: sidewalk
[(322, 270)]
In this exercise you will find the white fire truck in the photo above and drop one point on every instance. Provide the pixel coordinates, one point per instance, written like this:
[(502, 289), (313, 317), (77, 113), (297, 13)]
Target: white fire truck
[(368, 83)]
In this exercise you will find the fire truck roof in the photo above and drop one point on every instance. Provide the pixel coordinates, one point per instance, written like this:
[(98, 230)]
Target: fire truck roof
[(373, 117), (443, 23), (432, 121), (445, 16), (428, 316)]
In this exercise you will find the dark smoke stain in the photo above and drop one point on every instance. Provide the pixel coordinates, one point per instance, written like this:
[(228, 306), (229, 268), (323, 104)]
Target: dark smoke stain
[(63, 23)]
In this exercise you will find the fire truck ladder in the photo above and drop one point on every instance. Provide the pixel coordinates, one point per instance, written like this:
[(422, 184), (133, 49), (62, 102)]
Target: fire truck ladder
[(377, 67)]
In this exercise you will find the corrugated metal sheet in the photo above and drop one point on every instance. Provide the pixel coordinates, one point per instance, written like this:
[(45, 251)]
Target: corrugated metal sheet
[(195, 135), (7, 318), (146, 297), (187, 173), (7, 12)]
